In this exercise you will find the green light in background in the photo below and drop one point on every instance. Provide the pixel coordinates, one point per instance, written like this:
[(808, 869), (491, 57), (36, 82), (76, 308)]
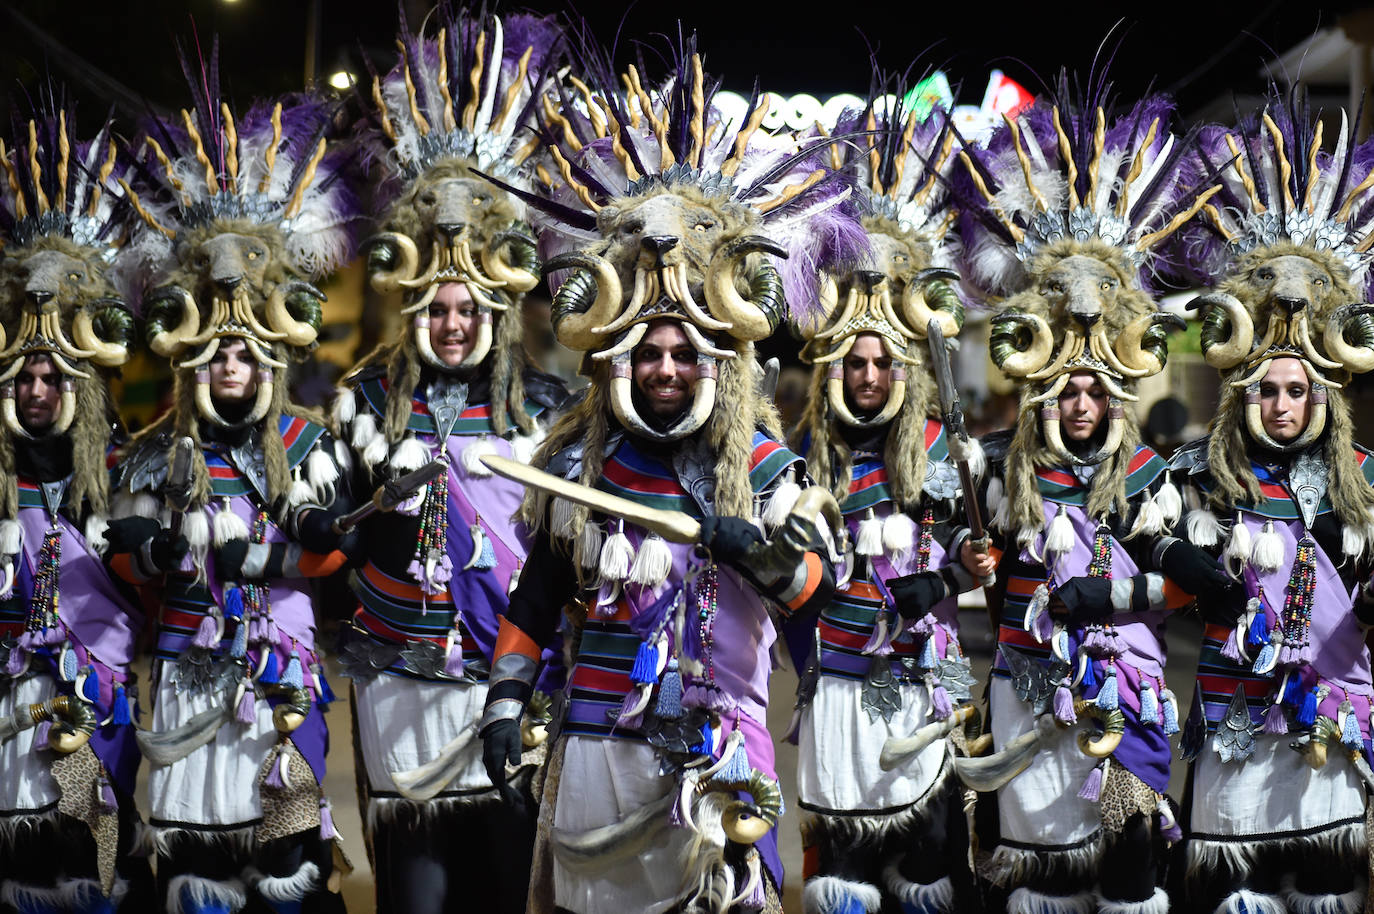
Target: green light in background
[(926, 94)]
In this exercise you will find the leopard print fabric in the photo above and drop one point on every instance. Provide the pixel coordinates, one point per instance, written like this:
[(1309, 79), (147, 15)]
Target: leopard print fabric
[(77, 775), (1123, 795), (292, 809)]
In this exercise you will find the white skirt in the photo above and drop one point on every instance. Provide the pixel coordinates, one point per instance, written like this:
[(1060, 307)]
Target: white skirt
[(216, 784), (405, 723), (26, 782), (1040, 806), (604, 781), (839, 745)]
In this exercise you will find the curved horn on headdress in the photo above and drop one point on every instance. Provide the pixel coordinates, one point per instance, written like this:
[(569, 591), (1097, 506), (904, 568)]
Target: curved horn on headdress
[(166, 305), (589, 298), (750, 318), (205, 404), (1221, 349), (480, 347), (66, 408), (896, 396), (279, 317), (1004, 343), (8, 411), (113, 317), (1113, 725), (392, 258), (1054, 435), (522, 274), (851, 305), (703, 400), (203, 357), (1354, 357), (1300, 334), (1139, 348), (927, 286)]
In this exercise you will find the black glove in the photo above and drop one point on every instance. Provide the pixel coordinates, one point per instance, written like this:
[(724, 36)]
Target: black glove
[(1193, 569), (315, 530), (728, 538), (167, 550), (916, 593), (501, 744), (126, 534), (1082, 599), (229, 560)]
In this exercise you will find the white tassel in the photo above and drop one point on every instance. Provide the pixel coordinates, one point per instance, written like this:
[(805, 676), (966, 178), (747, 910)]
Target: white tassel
[(322, 473), (1238, 547), (473, 454), (374, 453), (95, 534), (364, 430), (1059, 535), (899, 534), (343, 456), (616, 555), (1267, 552), (997, 504), (652, 563), (977, 460), (146, 504), (870, 535), (345, 408), (228, 525), (780, 503), (1149, 519), (300, 492), (561, 519), (522, 448), (1170, 503), (1203, 527), (11, 537), (195, 526), (409, 455), (589, 545)]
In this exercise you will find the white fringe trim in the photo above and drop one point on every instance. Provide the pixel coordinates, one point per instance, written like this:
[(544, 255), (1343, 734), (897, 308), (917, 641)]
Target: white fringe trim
[(1026, 901), (1248, 902), (204, 892), (938, 896), (1158, 903), (1011, 866), (831, 894), (1345, 842), (1351, 902), (287, 888)]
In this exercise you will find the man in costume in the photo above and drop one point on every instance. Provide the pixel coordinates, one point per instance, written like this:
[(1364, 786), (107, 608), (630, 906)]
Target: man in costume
[(668, 211), (1071, 206), (67, 752), (1284, 665), (455, 385), (237, 212), (887, 657)]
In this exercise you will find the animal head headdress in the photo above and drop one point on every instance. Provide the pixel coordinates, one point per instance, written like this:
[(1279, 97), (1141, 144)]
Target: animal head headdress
[(457, 106), (62, 219), (669, 212), (241, 213), (1071, 206), (1289, 238), (900, 165)]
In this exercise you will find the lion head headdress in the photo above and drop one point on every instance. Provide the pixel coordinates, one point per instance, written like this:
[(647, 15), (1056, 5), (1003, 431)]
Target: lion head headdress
[(669, 212), (1069, 207), (240, 215), (1289, 240), (900, 165), (457, 106), (62, 220)]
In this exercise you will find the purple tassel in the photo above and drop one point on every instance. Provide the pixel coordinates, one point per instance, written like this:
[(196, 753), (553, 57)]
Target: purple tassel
[(453, 664), (1307, 716), (756, 900), (1095, 641), (1171, 832), (924, 626), (879, 643), (626, 717), (206, 633), (416, 570), (269, 631), (940, 703), (1275, 722), (1288, 656), (41, 731), (1092, 786), (327, 830), (1043, 627), (105, 795), (1063, 704), (54, 636), (15, 664), (255, 630), (1305, 655), (247, 711), (708, 698), (31, 641), (274, 773), (1107, 697), (1230, 649)]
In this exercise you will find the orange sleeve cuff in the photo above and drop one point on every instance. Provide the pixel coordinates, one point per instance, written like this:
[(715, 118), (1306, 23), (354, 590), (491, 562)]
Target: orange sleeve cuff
[(814, 574), (1176, 597), (319, 565), (122, 565), (511, 640)]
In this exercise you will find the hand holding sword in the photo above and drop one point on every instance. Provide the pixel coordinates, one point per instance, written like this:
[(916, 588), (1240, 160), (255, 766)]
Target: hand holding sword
[(390, 494)]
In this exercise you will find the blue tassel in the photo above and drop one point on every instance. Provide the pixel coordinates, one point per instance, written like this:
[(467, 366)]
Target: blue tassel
[(239, 648), (669, 705), (1089, 676), (707, 744), (927, 661), (737, 769), (233, 603), (1170, 713), (271, 673), (1259, 629), (487, 559), (69, 665), (295, 674), (1307, 715), (1292, 695), (326, 695), (121, 706), (1265, 660), (1350, 733), (645, 670), (1107, 698), (92, 687), (1149, 705)]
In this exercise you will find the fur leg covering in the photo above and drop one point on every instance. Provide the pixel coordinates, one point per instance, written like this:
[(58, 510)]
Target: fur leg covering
[(915, 898), (85, 896), (32, 899), (196, 895), (1352, 902), (277, 889), (832, 895), (1029, 901), (1158, 903), (1247, 902)]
